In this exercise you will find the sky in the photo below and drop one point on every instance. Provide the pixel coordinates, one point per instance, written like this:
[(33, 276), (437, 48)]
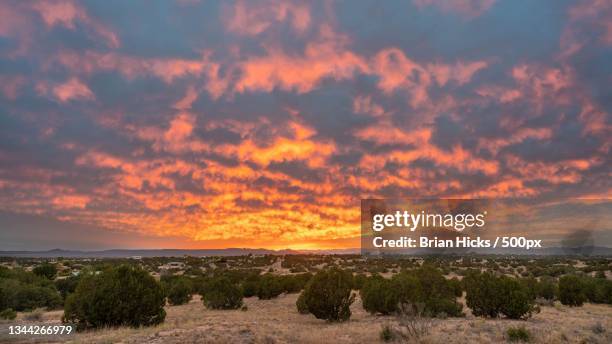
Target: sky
[(211, 124)]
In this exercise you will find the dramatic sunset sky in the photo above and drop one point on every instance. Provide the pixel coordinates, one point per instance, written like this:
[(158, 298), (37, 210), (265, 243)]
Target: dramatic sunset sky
[(201, 124)]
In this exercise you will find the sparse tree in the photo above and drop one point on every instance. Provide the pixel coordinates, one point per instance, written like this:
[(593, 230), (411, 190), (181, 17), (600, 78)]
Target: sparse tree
[(122, 296), (328, 295)]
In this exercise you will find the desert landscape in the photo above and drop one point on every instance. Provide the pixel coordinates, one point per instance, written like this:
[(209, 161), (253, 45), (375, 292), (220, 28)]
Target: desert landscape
[(277, 320)]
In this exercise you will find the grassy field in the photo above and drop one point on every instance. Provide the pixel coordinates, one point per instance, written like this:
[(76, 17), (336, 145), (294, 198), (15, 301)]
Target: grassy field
[(277, 321)]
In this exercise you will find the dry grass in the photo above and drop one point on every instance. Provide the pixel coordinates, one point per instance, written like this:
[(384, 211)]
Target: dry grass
[(277, 321)]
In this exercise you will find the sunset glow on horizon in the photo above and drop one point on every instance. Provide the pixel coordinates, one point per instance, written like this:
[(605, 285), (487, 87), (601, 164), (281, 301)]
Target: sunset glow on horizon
[(262, 124)]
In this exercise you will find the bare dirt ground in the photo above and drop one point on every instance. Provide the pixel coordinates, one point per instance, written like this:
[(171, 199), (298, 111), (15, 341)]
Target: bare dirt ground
[(277, 321)]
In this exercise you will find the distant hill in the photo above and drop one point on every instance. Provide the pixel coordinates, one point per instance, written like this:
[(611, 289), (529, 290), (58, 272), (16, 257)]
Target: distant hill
[(124, 253)]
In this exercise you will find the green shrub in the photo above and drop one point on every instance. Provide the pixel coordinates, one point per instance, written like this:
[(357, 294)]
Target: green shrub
[(598, 290), (46, 270), (67, 286), (179, 291), (25, 291), (387, 334), (221, 293), (456, 286), (301, 305), (408, 288), (4, 300), (518, 334), (8, 314), (571, 291), (530, 286), (489, 296), (116, 297), (289, 284), (547, 288), (269, 287), (425, 286), (294, 283), (379, 296), (359, 280), (515, 300), (437, 293), (482, 294), (250, 285), (29, 297), (328, 295)]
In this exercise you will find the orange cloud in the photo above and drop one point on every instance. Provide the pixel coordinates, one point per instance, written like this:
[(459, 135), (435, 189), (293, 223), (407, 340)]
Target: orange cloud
[(325, 58), (66, 12), (458, 157), (72, 89), (167, 69), (461, 72), (253, 19), (71, 201)]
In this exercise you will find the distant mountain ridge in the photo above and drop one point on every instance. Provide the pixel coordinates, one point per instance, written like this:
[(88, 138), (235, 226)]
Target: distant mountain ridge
[(125, 253)]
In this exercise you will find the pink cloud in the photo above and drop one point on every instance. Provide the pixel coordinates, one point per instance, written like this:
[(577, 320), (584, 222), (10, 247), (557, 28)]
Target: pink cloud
[(251, 19), (185, 103), (66, 12), (324, 58), (167, 69), (461, 72), (72, 89)]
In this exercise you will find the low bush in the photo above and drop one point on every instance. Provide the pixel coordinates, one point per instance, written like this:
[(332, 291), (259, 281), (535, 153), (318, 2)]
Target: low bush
[(329, 296), (413, 323), (571, 291), (121, 296), (179, 291), (379, 296), (250, 285), (294, 283), (24, 291), (269, 287), (437, 293), (518, 334), (66, 286), (547, 288), (46, 270), (301, 305), (490, 296), (516, 302), (8, 314), (425, 285), (598, 290), (221, 293), (359, 280), (26, 297), (387, 334)]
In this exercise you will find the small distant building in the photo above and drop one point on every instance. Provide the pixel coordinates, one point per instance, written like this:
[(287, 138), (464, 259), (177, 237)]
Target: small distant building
[(136, 257), (175, 265)]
